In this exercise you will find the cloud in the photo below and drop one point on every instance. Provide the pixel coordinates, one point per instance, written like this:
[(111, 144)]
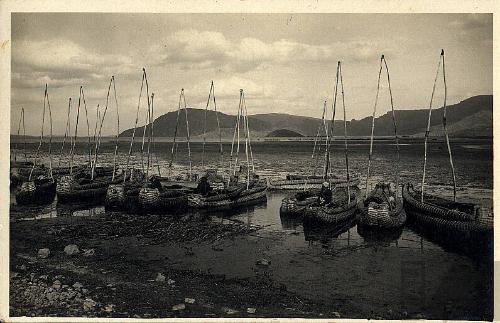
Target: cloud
[(207, 49), (60, 63)]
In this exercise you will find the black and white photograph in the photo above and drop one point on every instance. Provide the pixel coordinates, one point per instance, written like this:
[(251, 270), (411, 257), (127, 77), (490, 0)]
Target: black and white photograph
[(250, 165)]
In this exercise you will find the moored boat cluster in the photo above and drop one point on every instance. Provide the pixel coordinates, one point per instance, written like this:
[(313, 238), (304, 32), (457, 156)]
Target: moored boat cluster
[(326, 198)]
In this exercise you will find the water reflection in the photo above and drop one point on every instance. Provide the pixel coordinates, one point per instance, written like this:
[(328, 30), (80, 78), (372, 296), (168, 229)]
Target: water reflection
[(326, 233)]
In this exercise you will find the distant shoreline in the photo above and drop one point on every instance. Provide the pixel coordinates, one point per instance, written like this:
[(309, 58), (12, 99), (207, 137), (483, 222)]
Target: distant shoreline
[(403, 139)]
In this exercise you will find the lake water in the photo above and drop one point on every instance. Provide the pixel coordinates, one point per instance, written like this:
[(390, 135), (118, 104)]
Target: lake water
[(406, 273)]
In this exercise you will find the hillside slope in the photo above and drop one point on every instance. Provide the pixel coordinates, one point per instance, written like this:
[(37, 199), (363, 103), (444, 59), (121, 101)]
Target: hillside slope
[(470, 117)]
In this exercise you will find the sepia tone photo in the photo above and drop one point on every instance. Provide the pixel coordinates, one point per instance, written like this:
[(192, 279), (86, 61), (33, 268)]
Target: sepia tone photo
[(251, 165)]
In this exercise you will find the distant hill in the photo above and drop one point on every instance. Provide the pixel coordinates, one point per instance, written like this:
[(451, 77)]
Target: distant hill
[(471, 117), (283, 133)]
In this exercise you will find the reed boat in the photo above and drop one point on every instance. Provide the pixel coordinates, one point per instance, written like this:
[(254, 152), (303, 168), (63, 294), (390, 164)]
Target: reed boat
[(442, 217), (91, 184), (233, 196), (243, 187), (343, 198), (303, 182), (162, 200), (382, 208), (80, 187), (340, 209), (41, 190), (445, 215), (124, 196), (295, 205)]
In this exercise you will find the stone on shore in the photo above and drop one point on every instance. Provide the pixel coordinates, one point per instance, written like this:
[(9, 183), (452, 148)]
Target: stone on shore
[(43, 253), (71, 250)]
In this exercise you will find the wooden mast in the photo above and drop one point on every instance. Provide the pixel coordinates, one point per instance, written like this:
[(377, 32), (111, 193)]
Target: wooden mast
[(373, 127), (345, 138), (135, 126), (450, 156)]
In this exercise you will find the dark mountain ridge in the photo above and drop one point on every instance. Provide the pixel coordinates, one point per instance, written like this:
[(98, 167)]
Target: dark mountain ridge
[(473, 117)]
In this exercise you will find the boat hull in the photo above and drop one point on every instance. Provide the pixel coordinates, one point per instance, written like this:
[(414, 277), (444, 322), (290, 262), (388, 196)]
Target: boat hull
[(30, 193)]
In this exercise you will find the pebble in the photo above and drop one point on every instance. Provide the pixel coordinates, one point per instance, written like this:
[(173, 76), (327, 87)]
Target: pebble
[(189, 300), (179, 307), (77, 285), (88, 252), (71, 250), (56, 285), (43, 253), (229, 311), (109, 308), (160, 277), (336, 314), (44, 277), (251, 310), (89, 304), (263, 262), (170, 281)]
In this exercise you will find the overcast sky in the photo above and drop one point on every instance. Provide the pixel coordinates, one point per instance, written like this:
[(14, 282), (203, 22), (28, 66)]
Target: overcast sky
[(285, 63)]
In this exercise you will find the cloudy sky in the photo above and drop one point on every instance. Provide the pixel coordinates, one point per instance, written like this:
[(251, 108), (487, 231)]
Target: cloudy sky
[(285, 63)]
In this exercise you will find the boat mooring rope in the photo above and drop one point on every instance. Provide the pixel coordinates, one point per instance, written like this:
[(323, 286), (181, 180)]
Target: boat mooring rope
[(441, 62), (248, 133), (329, 135), (135, 125), (146, 123), (382, 60), (175, 132), (150, 135), (89, 144), (98, 141), (46, 104), (21, 118), (398, 158), (68, 128), (345, 136), (221, 152), (72, 150)]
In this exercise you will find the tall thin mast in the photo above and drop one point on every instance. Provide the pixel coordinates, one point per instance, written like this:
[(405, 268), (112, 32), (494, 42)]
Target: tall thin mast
[(68, 128), (441, 61), (205, 125), (373, 127), (24, 138), (117, 128), (329, 137), (187, 136), (232, 168), (246, 140), (175, 130), (18, 132), (147, 121), (41, 134), (150, 134), (135, 124), (98, 141), (395, 126), (321, 125), (89, 144), (72, 151), (221, 151), (345, 138)]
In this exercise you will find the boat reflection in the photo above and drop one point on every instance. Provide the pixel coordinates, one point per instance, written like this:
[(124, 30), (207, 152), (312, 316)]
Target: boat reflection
[(324, 234), (379, 236)]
